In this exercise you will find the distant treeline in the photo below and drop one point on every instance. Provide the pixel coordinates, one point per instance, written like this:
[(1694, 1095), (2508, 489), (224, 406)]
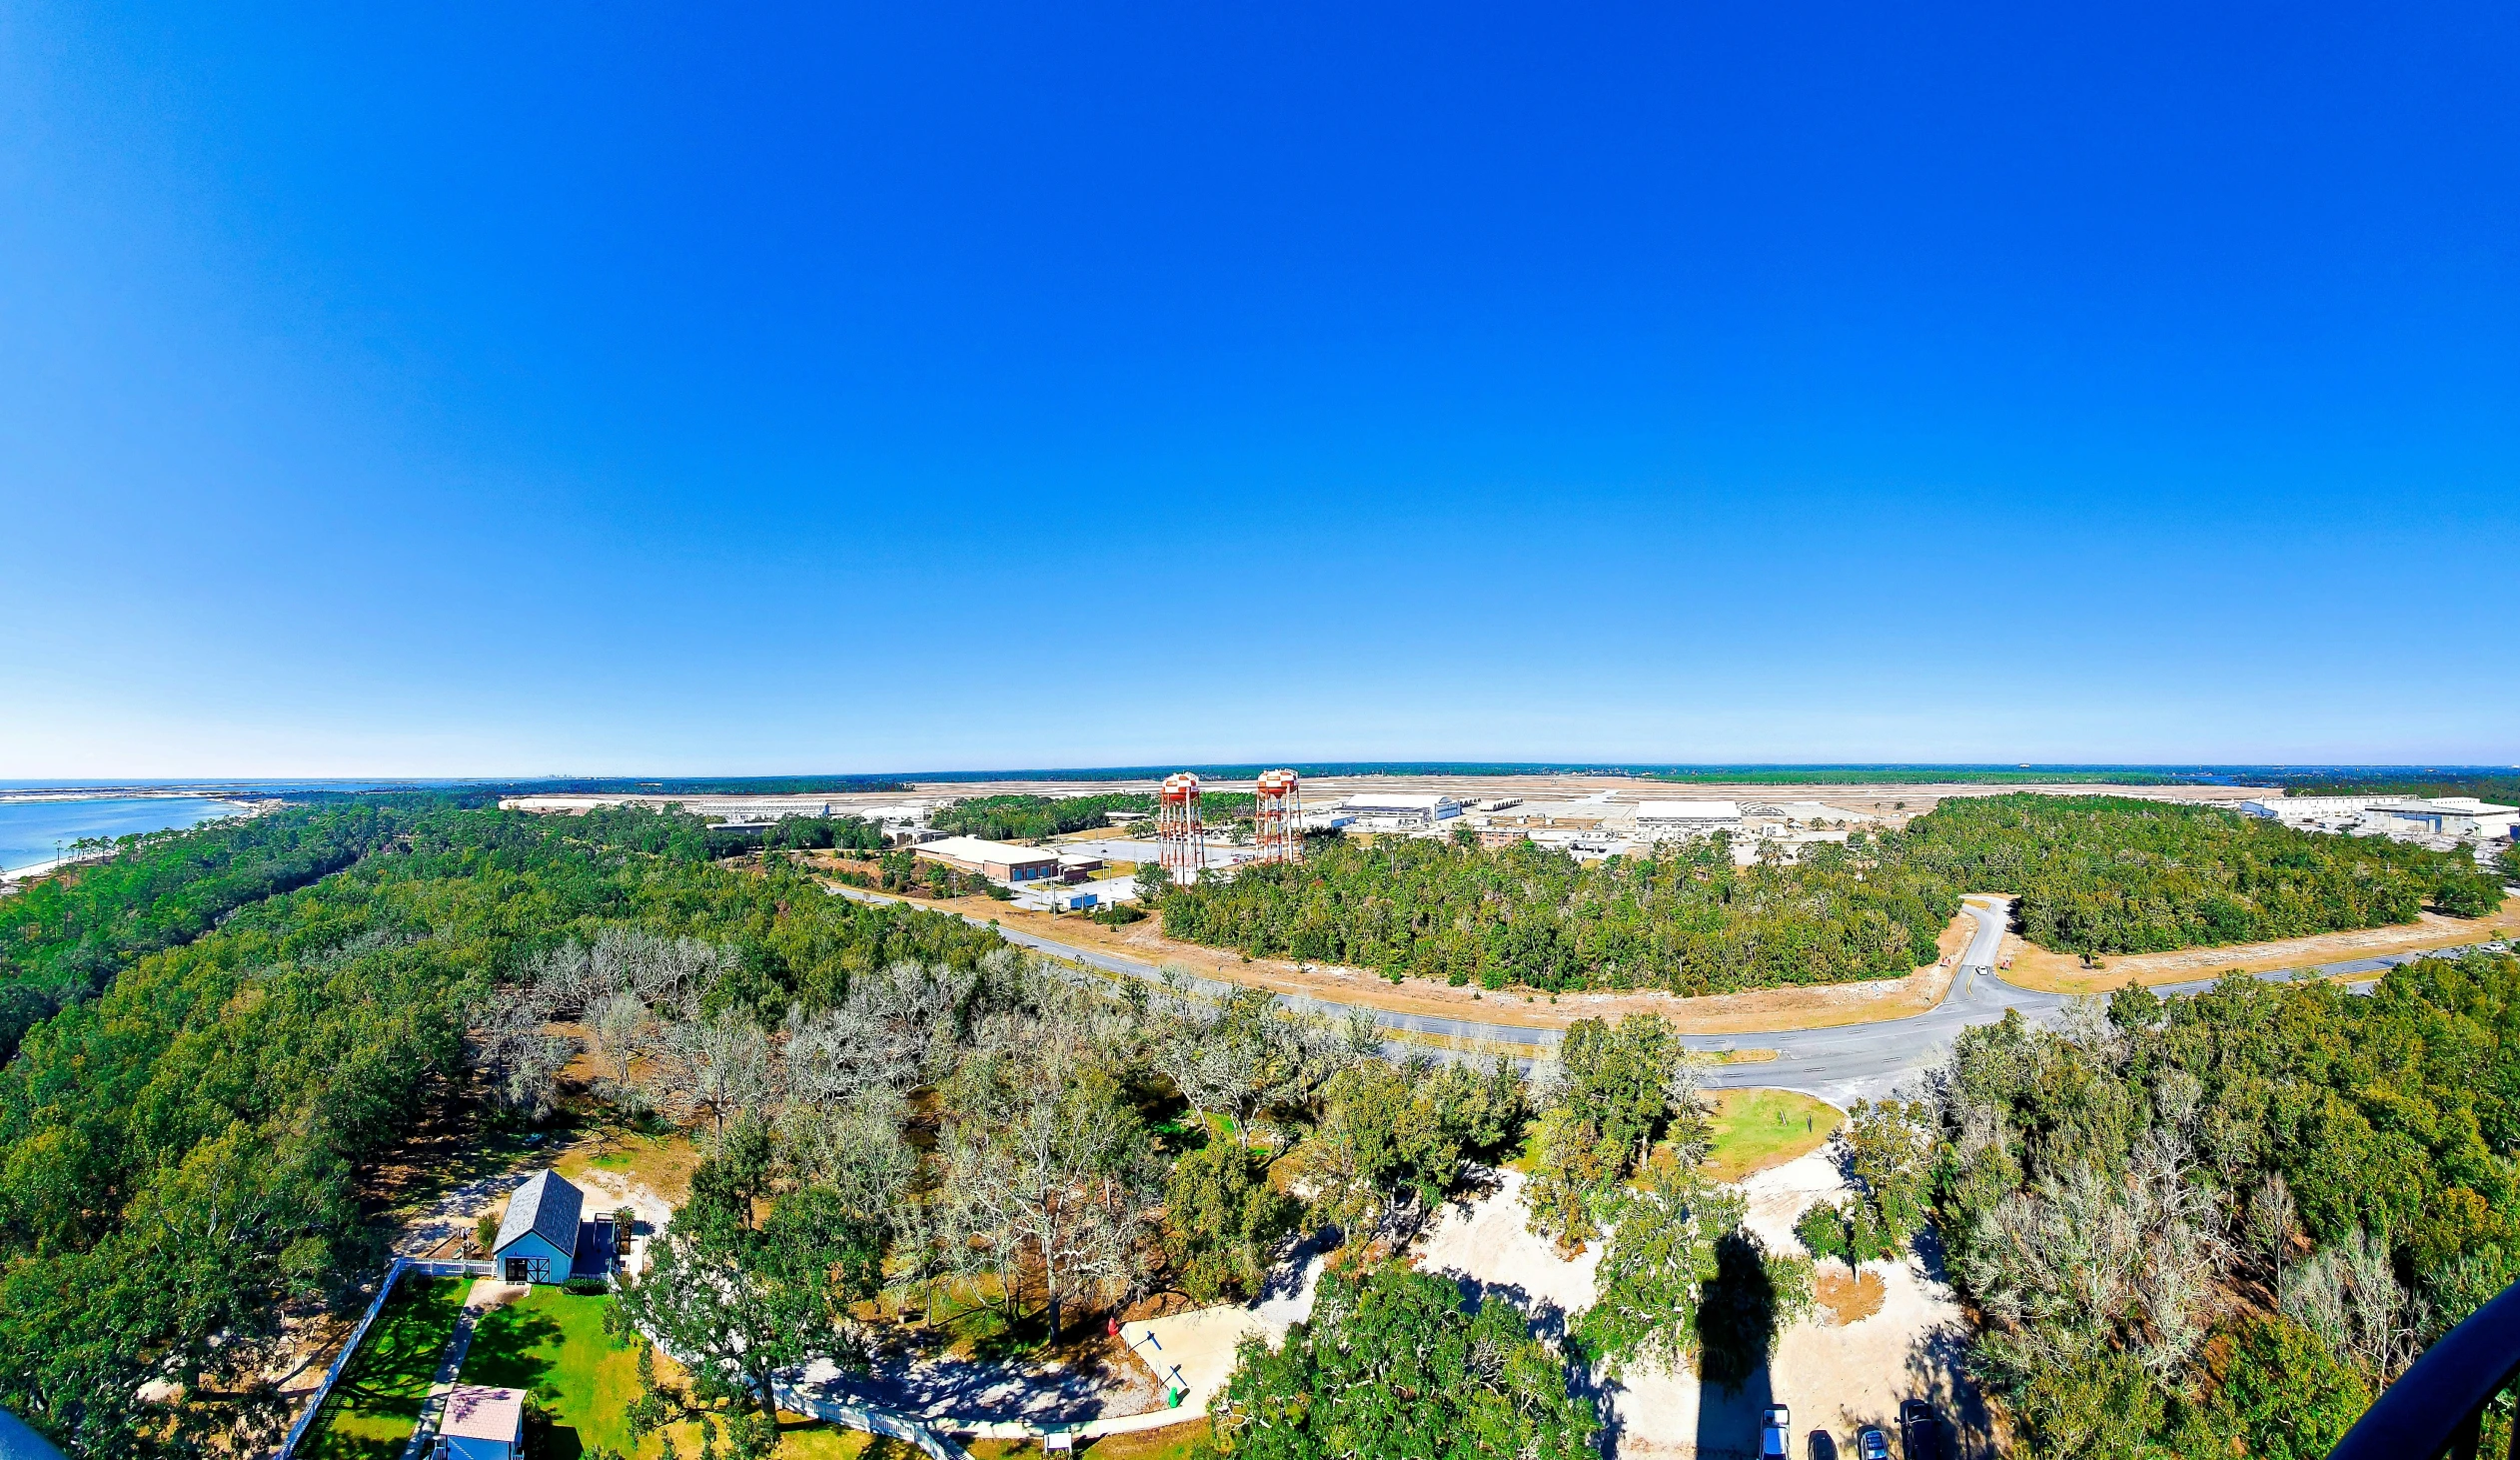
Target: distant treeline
[(708, 786), (2499, 790), (2099, 874), (1912, 775)]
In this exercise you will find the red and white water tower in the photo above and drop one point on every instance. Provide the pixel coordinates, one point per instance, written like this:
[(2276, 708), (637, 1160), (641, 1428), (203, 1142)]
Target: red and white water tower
[(1278, 816), (1177, 828)]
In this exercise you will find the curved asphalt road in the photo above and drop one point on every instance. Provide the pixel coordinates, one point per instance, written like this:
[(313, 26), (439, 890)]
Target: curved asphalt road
[(1841, 1065)]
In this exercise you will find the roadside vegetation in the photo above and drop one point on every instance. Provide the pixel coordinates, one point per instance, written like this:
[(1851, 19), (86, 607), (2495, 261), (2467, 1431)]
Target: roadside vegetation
[(2093, 875)]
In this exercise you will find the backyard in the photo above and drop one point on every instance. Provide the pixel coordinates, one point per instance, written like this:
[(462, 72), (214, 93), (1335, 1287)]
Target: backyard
[(372, 1409), (552, 1344)]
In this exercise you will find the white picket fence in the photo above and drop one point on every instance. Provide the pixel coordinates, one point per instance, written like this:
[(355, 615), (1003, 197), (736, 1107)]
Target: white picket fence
[(359, 1335), (931, 1437)]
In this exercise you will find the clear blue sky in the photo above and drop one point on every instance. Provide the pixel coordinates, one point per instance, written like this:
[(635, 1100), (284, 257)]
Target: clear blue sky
[(611, 388)]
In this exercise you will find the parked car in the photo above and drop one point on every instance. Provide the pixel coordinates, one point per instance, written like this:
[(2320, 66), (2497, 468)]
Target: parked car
[(1920, 1431), (1871, 1443), (1776, 1433)]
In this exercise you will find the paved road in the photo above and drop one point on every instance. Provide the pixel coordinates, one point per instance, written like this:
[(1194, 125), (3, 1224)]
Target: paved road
[(1841, 1065)]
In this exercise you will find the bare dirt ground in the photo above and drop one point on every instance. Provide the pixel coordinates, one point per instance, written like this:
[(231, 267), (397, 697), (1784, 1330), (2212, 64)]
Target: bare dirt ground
[(1904, 1340), (1920, 796), (1812, 1008), (2036, 967)]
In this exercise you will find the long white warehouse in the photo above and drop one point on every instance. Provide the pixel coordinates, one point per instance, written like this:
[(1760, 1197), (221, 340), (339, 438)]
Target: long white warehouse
[(1681, 821)]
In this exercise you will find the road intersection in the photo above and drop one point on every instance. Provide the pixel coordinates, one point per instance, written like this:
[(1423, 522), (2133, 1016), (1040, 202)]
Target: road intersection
[(1839, 1064)]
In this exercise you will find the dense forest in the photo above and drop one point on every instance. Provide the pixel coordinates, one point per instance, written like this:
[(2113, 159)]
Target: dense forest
[(65, 938), (2219, 1224), (2099, 874), (187, 1153), (181, 1154), (2214, 1218)]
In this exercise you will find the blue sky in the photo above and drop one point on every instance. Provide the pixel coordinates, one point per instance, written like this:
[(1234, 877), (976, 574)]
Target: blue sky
[(505, 389)]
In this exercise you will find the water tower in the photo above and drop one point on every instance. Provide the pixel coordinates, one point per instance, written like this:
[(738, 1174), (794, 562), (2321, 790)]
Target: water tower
[(1177, 828), (1278, 816)]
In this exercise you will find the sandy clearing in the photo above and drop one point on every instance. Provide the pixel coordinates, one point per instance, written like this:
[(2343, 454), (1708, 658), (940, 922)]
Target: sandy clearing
[(1836, 1379), (2038, 969), (1487, 1242), (1761, 1012)]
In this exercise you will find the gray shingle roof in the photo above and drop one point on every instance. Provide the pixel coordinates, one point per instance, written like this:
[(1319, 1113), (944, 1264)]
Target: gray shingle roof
[(546, 1205)]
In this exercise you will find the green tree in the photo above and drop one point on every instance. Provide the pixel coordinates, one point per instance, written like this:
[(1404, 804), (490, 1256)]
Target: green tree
[(1382, 1148), (1660, 1256), (1222, 1219), (1573, 1170), (740, 1300), (1391, 1368), (1892, 1145), (2282, 1394), (1821, 1229)]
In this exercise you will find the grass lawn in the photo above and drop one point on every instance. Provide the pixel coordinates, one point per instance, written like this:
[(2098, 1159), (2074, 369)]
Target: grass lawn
[(799, 1438), (1172, 1442), (1756, 1129), (552, 1344), (370, 1413)]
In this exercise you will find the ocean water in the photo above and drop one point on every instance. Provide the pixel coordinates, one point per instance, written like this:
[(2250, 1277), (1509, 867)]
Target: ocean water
[(29, 829)]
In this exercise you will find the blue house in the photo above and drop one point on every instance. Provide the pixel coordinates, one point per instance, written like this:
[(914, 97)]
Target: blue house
[(481, 1423), (538, 1240)]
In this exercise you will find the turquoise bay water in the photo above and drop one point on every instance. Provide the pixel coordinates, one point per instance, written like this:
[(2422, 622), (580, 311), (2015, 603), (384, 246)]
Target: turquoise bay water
[(28, 830)]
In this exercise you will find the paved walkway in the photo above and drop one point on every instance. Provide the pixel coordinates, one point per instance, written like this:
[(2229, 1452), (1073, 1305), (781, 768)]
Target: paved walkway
[(485, 1296)]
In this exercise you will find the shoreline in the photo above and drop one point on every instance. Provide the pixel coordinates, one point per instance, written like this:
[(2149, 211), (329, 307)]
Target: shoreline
[(12, 878)]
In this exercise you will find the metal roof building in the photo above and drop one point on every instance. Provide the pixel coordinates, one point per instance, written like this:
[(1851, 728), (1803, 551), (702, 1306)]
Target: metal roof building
[(538, 1239)]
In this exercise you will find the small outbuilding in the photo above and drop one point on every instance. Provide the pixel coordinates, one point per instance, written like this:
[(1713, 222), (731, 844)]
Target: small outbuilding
[(538, 1240), (481, 1423)]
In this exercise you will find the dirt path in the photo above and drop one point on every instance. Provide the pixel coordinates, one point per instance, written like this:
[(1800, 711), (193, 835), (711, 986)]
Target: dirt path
[(1810, 1007), (2038, 969)]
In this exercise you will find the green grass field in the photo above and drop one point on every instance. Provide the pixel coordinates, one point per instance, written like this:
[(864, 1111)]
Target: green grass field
[(1756, 1129), (552, 1344), (370, 1413)]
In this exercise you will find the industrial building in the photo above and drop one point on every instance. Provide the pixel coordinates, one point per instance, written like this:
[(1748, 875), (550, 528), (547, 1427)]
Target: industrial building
[(2405, 818), (1387, 812), (1681, 821), (1078, 898), (1000, 862)]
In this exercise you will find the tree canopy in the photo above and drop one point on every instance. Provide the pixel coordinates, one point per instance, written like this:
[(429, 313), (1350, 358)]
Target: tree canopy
[(2097, 875), (1391, 1368), (2214, 1224)]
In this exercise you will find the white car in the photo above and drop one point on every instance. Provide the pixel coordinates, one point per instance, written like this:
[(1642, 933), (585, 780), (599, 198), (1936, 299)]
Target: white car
[(1776, 1433)]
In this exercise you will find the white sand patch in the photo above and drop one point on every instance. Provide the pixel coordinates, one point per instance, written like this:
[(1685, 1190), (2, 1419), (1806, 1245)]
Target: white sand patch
[(1490, 1242), (1834, 1380)]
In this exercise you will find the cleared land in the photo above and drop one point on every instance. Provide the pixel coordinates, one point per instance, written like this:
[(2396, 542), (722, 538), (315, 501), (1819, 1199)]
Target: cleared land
[(2035, 967), (370, 1413), (1808, 1007), (1759, 1129)]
